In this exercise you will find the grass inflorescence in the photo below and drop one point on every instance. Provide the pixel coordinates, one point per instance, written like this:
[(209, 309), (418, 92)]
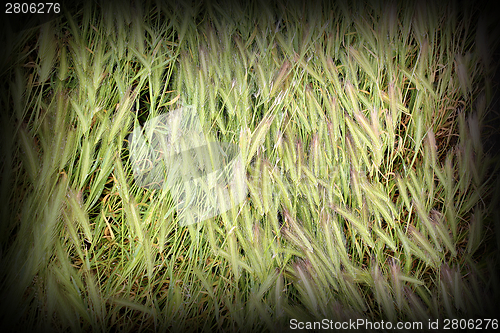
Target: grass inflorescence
[(361, 128)]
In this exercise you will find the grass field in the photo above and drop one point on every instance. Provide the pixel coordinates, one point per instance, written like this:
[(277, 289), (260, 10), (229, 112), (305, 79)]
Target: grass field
[(371, 193)]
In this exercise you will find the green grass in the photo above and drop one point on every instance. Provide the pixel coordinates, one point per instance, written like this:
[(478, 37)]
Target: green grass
[(370, 190)]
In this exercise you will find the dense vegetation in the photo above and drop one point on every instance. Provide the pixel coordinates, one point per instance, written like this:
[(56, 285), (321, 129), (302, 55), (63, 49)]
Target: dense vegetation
[(361, 128)]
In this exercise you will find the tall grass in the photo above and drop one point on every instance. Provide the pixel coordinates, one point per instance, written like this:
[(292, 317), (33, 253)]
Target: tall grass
[(361, 131)]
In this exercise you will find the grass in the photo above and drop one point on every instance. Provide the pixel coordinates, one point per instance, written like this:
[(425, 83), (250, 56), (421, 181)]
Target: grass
[(370, 191)]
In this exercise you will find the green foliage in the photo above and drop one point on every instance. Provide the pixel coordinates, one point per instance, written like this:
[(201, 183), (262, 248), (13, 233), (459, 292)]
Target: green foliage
[(369, 186)]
